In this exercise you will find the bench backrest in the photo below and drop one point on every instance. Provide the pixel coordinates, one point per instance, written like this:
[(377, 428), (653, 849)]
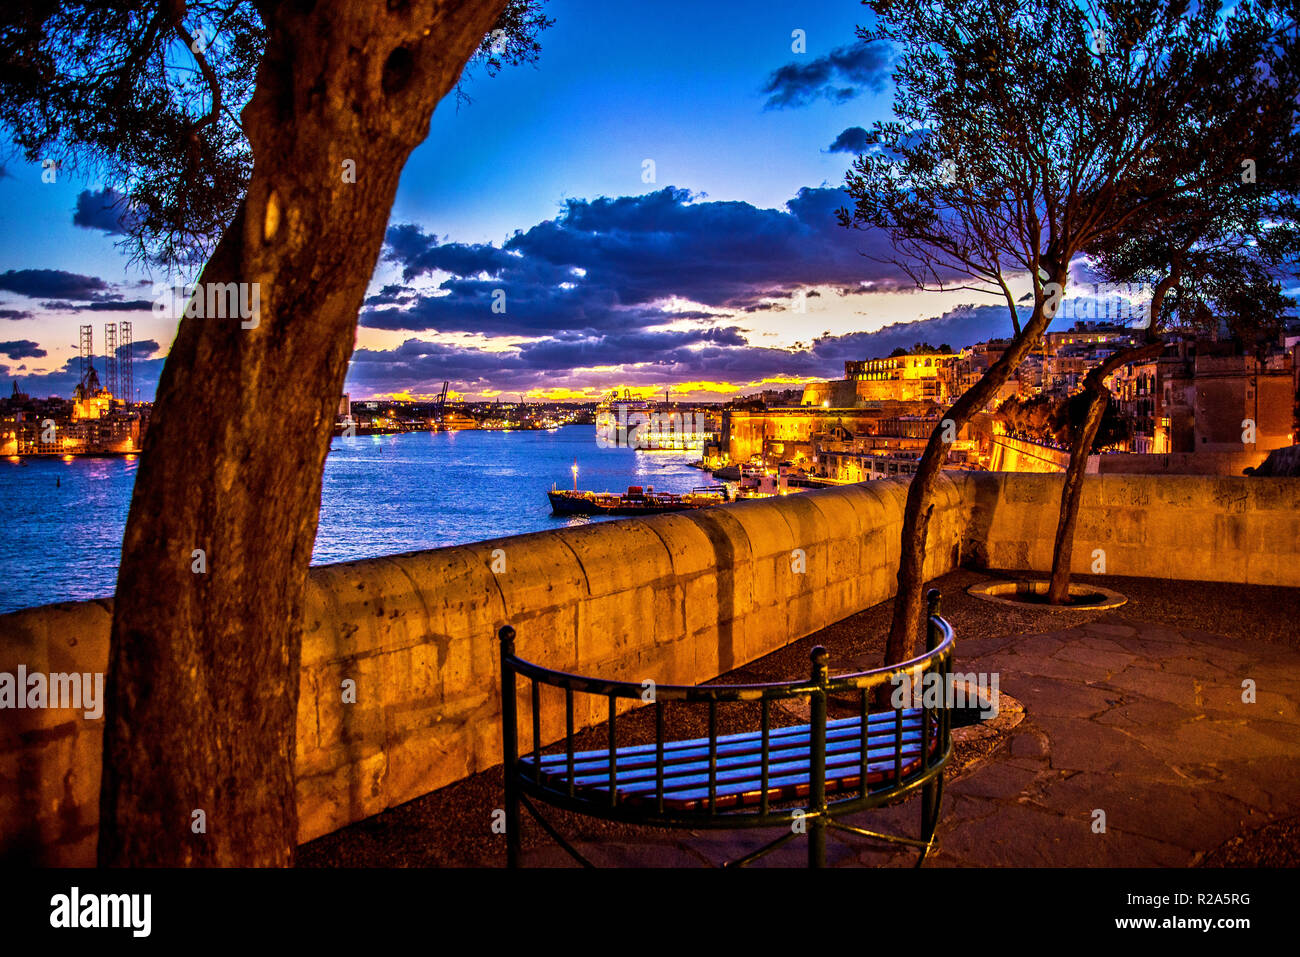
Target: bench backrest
[(921, 671)]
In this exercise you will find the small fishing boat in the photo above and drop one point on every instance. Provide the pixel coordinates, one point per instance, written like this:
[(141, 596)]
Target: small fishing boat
[(635, 501)]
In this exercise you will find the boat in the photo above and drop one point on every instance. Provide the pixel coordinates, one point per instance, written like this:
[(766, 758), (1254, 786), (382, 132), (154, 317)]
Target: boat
[(636, 423), (457, 422), (635, 501)]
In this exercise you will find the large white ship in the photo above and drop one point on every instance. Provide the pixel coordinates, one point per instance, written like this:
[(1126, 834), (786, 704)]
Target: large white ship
[(625, 422)]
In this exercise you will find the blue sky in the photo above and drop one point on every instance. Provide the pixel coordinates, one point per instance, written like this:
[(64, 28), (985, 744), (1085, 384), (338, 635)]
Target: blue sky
[(690, 281)]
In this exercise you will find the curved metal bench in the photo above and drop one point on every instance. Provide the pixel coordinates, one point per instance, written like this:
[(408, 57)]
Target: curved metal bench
[(755, 779)]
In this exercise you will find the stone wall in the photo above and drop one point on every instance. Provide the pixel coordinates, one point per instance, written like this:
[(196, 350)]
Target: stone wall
[(675, 598), (1178, 463), (1187, 527), (1009, 454)]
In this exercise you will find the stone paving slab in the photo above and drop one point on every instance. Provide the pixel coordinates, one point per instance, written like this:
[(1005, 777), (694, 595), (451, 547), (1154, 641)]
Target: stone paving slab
[(1165, 746)]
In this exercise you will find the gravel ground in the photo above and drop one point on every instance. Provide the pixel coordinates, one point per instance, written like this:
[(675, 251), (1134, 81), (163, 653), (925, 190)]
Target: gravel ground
[(452, 826), (1277, 845)]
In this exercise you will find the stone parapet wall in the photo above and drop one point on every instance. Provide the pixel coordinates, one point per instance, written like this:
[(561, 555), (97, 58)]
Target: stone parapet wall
[(1185, 527), (678, 599)]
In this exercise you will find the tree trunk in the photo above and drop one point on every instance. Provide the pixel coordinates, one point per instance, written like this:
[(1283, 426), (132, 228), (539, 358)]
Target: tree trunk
[(1058, 591), (203, 668), (908, 602), (1094, 385)]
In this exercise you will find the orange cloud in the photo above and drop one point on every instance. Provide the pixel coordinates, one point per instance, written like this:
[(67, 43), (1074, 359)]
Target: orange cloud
[(726, 388)]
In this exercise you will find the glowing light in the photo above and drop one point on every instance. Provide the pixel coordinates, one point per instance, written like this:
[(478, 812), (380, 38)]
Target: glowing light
[(68, 458)]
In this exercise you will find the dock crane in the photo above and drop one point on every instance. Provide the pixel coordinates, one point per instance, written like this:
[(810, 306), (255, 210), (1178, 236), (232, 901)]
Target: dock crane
[(440, 406)]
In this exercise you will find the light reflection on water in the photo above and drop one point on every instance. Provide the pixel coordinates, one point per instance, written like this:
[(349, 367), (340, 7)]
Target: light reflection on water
[(381, 495)]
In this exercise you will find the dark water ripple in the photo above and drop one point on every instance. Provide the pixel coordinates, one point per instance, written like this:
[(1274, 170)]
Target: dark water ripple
[(381, 495)]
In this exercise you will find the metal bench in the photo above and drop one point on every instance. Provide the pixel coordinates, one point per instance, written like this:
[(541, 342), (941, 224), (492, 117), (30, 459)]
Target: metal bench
[(769, 777)]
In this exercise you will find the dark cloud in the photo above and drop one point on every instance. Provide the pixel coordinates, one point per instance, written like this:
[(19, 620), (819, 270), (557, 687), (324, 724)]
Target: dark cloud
[(578, 360), (101, 304), (418, 253), (105, 210), (63, 380), (611, 264), (22, 349), (142, 349), (391, 295), (37, 283), (838, 76), (597, 293), (114, 305), (852, 140), (640, 348), (959, 327), (15, 314), (417, 366)]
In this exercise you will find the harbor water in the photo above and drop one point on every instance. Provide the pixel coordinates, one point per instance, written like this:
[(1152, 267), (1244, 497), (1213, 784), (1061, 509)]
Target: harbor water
[(382, 494)]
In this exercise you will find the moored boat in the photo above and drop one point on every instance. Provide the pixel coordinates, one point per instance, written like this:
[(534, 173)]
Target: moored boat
[(635, 501)]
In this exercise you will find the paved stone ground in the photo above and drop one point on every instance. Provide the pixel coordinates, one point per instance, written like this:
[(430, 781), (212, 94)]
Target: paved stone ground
[(1125, 715), (1144, 723)]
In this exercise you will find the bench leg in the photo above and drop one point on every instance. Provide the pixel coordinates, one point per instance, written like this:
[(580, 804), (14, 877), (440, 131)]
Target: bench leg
[(510, 743), (512, 825), (931, 796), (817, 759), (817, 841)]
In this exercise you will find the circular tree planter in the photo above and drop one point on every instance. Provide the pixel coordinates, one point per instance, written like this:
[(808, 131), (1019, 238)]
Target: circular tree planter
[(1033, 594)]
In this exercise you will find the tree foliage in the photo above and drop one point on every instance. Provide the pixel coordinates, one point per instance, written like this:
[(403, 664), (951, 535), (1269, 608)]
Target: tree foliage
[(1057, 419), (147, 97), (1027, 134), (1214, 254)]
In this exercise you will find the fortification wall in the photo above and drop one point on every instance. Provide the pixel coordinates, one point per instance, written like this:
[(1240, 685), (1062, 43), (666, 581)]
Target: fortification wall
[(675, 598)]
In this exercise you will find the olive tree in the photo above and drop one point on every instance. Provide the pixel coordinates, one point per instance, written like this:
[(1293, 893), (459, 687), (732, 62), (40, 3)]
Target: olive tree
[(262, 142), (1023, 136)]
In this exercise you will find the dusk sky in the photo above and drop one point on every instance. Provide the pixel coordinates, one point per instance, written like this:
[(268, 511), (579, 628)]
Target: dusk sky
[(538, 187)]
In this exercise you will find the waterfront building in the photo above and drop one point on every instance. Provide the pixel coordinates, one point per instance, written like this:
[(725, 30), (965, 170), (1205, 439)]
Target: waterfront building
[(1136, 389), (1085, 336), (1211, 397), (94, 422), (916, 377)]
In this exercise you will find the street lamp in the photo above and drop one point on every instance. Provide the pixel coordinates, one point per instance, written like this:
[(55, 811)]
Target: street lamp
[(575, 476)]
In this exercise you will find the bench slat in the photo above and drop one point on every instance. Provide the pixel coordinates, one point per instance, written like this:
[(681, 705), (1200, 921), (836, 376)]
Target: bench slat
[(736, 765), (794, 765), (881, 719), (700, 748), (785, 788), (847, 745)]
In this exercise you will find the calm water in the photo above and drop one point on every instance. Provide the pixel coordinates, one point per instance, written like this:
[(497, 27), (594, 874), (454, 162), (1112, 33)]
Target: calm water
[(382, 494)]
